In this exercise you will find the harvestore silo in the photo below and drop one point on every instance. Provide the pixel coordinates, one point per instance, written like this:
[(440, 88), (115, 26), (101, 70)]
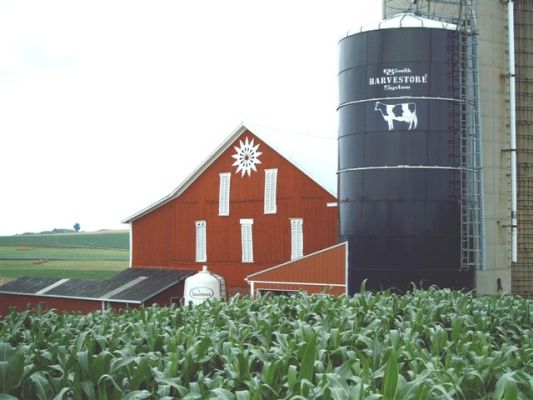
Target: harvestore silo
[(408, 155), (502, 38)]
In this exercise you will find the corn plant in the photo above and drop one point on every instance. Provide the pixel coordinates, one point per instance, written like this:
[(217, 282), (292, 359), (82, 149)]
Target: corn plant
[(434, 344)]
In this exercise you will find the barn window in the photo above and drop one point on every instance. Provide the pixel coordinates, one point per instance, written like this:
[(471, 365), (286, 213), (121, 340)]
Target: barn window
[(223, 193), (247, 240), (297, 238), (271, 176), (201, 245)]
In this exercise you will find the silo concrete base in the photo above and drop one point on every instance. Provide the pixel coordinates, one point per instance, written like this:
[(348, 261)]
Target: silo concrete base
[(487, 281)]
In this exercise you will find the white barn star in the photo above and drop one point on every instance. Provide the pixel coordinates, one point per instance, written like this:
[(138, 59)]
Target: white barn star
[(247, 157)]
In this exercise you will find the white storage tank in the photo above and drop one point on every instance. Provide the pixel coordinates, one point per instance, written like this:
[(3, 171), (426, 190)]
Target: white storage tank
[(203, 286)]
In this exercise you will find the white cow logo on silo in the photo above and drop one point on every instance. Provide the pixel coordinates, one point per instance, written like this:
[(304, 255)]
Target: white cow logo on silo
[(403, 112)]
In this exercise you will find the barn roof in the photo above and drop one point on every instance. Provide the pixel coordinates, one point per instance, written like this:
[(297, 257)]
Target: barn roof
[(324, 267), (315, 156), (133, 285)]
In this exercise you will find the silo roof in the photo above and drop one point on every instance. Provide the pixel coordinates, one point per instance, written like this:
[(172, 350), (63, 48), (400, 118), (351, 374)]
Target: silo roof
[(405, 20)]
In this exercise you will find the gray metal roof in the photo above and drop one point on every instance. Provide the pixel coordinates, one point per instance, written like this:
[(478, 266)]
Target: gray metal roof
[(133, 285)]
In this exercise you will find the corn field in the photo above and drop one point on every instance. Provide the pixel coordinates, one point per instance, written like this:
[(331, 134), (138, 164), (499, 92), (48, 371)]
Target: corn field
[(434, 344)]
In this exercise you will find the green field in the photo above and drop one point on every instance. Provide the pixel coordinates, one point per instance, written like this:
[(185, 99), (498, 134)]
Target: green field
[(96, 255), (423, 345), (73, 269), (103, 240)]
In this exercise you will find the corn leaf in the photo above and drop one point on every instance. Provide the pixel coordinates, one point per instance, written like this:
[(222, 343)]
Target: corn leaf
[(506, 387), (5, 396), (61, 394), (223, 394), (242, 395), (43, 390), (137, 395), (308, 359), (391, 379)]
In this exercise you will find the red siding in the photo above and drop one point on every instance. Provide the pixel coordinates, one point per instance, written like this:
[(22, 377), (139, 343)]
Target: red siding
[(164, 298), (323, 269), (166, 236), (21, 303)]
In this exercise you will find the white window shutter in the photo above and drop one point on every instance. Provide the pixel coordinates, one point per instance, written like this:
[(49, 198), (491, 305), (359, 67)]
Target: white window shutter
[(223, 193), (297, 238), (201, 241), (271, 178), (247, 240)]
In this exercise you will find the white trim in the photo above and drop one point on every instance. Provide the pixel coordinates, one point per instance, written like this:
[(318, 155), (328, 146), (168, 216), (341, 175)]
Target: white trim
[(131, 244), (348, 103), (297, 238), (201, 241), (512, 126), (128, 285), (247, 244), (332, 204), (252, 289), (270, 194), (292, 261), (52, 286), (300, 283), (224, 189)]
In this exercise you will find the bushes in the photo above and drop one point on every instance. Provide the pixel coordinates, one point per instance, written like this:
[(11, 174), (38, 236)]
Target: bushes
[(421, 345)]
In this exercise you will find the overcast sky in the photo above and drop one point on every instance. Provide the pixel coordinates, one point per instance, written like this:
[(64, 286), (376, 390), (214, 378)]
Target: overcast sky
[(106, 106)]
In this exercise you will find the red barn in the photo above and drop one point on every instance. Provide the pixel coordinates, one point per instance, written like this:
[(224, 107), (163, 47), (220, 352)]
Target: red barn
[(263, 198), (260, 211)]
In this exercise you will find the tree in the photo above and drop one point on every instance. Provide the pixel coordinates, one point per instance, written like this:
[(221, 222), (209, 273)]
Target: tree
[(77, 226)]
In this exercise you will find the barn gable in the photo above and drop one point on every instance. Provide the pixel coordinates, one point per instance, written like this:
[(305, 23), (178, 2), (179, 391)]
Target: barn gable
[(246, 208), (314, 156)]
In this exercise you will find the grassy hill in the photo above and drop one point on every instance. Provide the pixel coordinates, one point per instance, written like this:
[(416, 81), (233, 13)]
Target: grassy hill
[(103, 240), (94, 255)]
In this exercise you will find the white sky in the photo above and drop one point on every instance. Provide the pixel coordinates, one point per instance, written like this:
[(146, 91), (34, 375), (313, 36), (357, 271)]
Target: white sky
[(106, 106)]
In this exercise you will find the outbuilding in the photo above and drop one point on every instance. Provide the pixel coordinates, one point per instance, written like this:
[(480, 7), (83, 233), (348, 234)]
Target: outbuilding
[(324, 271), (129, 288)]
